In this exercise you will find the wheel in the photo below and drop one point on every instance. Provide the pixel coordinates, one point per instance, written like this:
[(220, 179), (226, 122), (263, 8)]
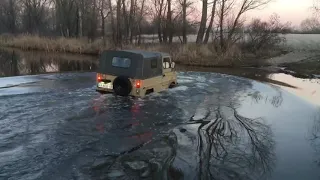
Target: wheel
[(122, 86), (172, 85)]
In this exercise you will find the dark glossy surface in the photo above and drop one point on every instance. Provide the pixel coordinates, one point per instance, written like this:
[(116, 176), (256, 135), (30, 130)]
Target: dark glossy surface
[(211, 126), (15, 62)]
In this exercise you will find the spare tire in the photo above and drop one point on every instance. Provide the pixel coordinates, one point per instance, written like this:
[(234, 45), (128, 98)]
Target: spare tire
[(122, 86)]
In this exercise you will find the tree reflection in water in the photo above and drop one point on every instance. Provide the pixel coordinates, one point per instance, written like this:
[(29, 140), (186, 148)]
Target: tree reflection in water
[(231, 146), (222, 145), (275, 100), (218, 142), (315, 135), (9, 63), (15, 62)]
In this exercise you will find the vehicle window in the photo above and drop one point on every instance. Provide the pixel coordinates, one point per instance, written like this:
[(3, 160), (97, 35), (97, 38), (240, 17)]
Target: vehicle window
[(121, 62), (154, 63), (167, 63)]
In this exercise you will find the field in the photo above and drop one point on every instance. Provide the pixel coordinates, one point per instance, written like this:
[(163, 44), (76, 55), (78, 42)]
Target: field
[(303, 42), (304, 58), (294, 41)]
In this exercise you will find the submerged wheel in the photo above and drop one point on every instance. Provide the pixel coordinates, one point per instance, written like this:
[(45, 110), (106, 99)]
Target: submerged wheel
[(172, 85), (122, 86)]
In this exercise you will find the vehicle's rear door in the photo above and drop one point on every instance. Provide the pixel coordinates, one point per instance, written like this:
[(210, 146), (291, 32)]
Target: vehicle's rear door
[(167, 72)]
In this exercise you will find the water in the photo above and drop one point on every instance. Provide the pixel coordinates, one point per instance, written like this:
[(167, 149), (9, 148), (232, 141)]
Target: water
[(14, 62), (250, 124)]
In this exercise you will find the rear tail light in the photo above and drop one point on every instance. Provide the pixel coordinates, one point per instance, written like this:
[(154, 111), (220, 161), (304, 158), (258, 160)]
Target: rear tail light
[(99, 77), (138, 83)]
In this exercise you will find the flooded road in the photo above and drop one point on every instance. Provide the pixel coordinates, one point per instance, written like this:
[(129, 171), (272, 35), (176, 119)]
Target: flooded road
[(212, 126)]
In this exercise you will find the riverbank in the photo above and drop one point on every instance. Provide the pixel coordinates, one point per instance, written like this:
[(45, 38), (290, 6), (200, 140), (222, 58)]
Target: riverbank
[(307, 68), (190, 54), (303, 64)]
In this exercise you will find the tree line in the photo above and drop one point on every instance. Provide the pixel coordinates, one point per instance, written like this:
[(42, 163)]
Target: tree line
[(126, 21)]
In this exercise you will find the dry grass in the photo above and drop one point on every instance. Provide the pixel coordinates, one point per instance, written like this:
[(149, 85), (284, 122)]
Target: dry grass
[(189, 54), (70, 45)]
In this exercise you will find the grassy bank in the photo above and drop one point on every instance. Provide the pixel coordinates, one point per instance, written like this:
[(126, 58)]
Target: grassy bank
[(189, 54), (305, 68)]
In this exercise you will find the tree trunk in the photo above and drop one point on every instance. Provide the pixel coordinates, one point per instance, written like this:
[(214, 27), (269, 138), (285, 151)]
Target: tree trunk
[(131, 18), (119, 34), (184, 27), (164, 35), (221, 24), (114, 36), (93, 18), (161, 33), (103, 18), (13, 17), (206, 39), (139, 24), (126, 24), (169, 27), (80, 25), (235, 23), (203, 22)]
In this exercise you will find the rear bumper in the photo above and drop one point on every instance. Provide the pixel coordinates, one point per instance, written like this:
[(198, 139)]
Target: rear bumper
[(133, 93), (104, 90)]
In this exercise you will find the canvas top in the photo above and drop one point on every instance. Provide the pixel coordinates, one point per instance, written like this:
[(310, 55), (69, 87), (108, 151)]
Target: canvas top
[(147, 54)]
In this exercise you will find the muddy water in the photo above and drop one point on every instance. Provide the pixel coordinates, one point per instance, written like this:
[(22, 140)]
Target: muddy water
[(255, 124), (15, 62)]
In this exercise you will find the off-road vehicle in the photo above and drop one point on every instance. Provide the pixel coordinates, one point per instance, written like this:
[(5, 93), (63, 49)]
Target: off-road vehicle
[(135, 73)]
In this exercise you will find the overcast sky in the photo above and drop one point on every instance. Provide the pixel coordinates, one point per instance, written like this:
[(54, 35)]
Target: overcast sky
[(288, 10)]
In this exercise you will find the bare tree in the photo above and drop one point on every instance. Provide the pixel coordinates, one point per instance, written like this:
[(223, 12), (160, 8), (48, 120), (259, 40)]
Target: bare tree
[(132, 19), (104, 12), (67, 17), (159, 8), (223, 13), (119, 31), (226, 8), (203, 22), (140, 19), (125, 20), (263, 35), (169, 27), (184, 15), (34, 14), (185, 4), (246, 5), (310, 25), (93, 20), (113, 26), (9, 12), (209, 29)]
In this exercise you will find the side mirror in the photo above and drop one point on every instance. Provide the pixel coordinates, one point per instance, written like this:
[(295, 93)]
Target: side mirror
[(173, 64)]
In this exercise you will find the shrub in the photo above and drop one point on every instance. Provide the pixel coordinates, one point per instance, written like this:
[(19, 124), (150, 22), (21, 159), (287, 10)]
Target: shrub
[(264, 36)]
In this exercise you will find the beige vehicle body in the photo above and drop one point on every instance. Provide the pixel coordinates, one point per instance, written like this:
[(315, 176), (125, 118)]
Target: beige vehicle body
[(135, 73)]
